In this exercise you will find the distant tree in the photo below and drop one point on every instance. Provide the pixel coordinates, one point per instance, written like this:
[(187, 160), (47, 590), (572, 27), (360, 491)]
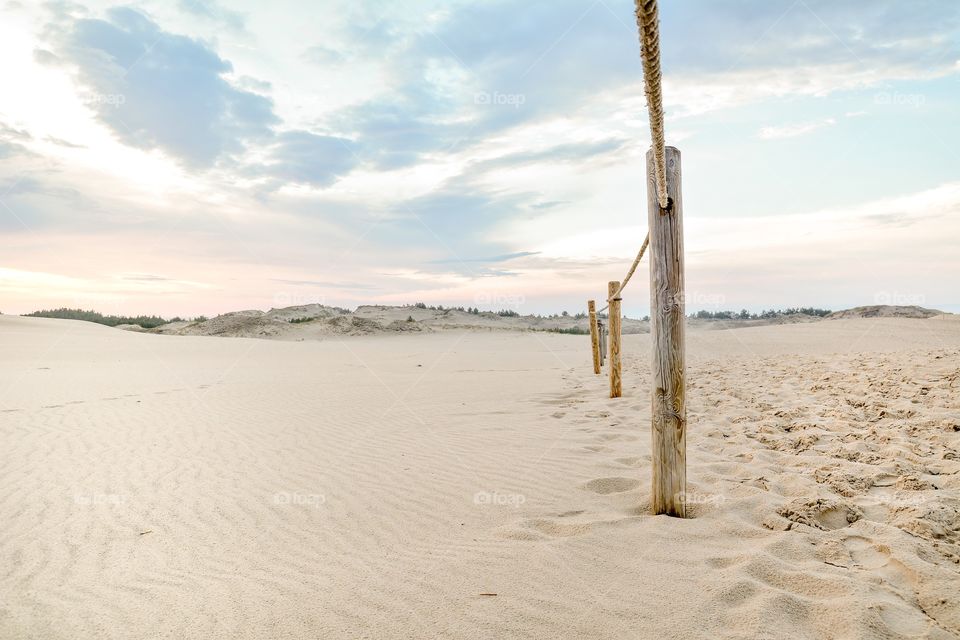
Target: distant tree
[(147, 322)]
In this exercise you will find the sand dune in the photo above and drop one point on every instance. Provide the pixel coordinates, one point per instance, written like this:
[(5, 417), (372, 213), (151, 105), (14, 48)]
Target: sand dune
[(377, 487), (317, 322)]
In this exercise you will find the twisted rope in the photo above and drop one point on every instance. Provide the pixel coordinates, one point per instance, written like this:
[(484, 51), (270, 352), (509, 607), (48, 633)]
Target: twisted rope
[(633, 267), (647, 23)]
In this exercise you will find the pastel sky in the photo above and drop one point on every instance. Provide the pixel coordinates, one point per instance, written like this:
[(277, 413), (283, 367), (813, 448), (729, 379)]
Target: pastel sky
[(194, 157)]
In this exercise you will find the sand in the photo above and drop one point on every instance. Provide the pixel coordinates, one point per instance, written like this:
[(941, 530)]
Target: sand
[(378, 487)]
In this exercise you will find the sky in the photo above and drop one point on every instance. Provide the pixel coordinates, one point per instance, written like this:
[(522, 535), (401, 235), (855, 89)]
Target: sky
[(188, 157)]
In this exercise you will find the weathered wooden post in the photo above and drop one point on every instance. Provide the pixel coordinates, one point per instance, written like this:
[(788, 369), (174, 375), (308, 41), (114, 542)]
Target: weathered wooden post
[(616, 385), (594, 335), (603, 341), (667, 320)]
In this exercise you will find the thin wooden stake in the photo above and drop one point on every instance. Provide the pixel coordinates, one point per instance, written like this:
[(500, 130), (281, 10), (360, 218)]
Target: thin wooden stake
[(616, 386), (603, 341), (594, 335), (667, 320)]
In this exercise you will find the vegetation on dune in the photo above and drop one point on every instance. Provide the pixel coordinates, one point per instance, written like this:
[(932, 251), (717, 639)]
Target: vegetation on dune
[(147, 322), (575, 331), (150, 322), (772, 313)]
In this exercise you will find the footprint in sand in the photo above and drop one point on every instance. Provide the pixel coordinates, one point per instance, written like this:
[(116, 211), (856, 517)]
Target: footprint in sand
[(620, 437), (597, 414), (605, 486), (545, 529), (865, 554), (553, 529), (821, 513)]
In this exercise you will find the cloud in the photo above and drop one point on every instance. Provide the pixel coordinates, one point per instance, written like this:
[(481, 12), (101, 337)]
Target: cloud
[(500, 258), (562, 153), (42, 56), (322, 55), (358, 286), (211, 10), (793, 130), (64, 143), (155, 89), (307, 158), (550, 204), (11, 141), (144, 277), (704, 36), (398, 129), (485, 68)]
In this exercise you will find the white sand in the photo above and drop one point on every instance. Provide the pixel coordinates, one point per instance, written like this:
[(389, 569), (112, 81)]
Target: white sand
[(375, 487)]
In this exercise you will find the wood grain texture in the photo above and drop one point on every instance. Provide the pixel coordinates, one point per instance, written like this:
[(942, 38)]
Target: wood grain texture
[(616, 384), (594, 335), (667, 322)]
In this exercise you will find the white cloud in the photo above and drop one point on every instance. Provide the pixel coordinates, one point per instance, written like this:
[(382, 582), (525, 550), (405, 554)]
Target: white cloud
[(793, 130)]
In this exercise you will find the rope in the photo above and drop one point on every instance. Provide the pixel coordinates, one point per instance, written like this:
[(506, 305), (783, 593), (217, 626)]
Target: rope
[(647, 23), (650, 53), (633, 267)]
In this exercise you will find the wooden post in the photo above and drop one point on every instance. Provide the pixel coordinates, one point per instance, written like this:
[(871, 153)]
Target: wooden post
[(594, 335), (667, 320), (616, 389), (603, 341)]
